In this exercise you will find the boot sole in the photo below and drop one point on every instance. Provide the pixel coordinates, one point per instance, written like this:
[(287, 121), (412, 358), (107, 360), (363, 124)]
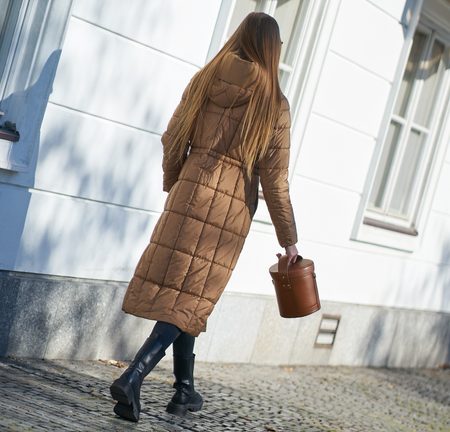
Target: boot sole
[(126, 406), (181, 410), (126, 412), (120, 394)]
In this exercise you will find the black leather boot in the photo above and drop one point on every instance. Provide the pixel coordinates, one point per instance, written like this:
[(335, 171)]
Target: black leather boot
[(127, 388), (185, 397)]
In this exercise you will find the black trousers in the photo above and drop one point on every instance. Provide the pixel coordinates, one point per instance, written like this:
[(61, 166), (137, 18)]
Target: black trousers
[(183, 343)]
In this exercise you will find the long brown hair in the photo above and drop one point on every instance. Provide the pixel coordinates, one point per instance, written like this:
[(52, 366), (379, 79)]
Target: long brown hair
[(258, 39)]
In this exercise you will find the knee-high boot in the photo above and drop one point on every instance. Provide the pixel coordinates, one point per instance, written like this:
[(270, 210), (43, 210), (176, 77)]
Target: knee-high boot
[(127, 388), (186, 398)]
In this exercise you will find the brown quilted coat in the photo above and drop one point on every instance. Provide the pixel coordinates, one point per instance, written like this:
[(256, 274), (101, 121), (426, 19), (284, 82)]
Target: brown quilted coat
[(199, 236)]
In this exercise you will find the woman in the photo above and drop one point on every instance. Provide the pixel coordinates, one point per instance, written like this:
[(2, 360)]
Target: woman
[(230, 130)]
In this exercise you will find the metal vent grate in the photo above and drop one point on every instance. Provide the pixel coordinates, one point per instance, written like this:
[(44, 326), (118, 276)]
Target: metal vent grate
[(327, 331)]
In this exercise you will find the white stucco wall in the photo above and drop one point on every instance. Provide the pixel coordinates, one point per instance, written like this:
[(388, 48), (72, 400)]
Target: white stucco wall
[(90, 206), (331, 170)]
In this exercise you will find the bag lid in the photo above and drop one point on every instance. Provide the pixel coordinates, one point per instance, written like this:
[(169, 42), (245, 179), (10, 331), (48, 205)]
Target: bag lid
[(301, 266)]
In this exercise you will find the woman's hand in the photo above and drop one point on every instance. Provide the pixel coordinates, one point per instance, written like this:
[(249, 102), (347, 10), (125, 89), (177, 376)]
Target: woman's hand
[(291, 252)]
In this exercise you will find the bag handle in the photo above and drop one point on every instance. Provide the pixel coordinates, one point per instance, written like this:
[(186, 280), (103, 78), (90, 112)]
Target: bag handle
[(283, 264)]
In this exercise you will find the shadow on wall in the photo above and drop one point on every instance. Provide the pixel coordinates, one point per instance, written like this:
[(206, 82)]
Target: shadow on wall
[(443, 278), (100, 145), (90, 165), (50, 316), (56, 317), (29, 105), (26, 108), (402, 337), (406, 338), (85, 155)]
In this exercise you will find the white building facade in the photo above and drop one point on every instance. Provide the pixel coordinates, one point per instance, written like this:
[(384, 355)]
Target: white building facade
[(91, 85)]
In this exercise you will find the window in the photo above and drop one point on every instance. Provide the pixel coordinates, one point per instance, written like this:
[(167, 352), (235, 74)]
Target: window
[(288, 14), (31, 33), (305, 27), (9, 11), (409, 145)]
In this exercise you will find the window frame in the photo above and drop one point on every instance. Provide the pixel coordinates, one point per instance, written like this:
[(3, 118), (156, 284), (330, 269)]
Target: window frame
[(385, 230), (45, 23), (17, 10), (408, 125), (313, 39)]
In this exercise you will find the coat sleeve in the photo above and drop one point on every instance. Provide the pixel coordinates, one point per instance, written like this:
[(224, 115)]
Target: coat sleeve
[(172, 168), (273, 172)]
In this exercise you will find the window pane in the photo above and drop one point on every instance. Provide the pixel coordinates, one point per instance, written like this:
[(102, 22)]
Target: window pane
[(283, 77), (4, 6), (385, 166), (406, 179), (9, 10), (287, 14), (410, 73), (241, 9), (431, 75)]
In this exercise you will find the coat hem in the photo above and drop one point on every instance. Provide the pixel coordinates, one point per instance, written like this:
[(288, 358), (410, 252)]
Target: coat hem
[(172, 319)]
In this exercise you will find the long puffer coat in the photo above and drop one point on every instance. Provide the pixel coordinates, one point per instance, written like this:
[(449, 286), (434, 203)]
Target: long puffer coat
[(207, 214)]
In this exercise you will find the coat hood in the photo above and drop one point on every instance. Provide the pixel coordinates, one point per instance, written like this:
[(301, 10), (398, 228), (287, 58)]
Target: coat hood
[(234, 81)]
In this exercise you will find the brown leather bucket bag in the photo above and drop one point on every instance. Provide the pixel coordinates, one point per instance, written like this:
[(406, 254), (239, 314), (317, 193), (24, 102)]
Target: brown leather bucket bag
[(295, 287)]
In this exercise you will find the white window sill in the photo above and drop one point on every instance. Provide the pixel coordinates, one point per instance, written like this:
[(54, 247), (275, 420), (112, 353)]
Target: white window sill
[(386, 238)]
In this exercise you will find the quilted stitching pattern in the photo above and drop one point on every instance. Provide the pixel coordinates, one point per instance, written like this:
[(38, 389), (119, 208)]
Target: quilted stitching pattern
[(200, 234)]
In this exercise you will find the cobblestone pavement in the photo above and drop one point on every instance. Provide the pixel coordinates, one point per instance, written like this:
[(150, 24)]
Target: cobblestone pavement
[(72, 395)]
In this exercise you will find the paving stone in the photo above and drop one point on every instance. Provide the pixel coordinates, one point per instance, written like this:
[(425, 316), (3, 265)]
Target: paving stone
[(73, 395)]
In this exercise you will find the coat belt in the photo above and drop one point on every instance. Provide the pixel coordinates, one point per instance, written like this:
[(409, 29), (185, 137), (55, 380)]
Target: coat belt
[(217, 155)]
